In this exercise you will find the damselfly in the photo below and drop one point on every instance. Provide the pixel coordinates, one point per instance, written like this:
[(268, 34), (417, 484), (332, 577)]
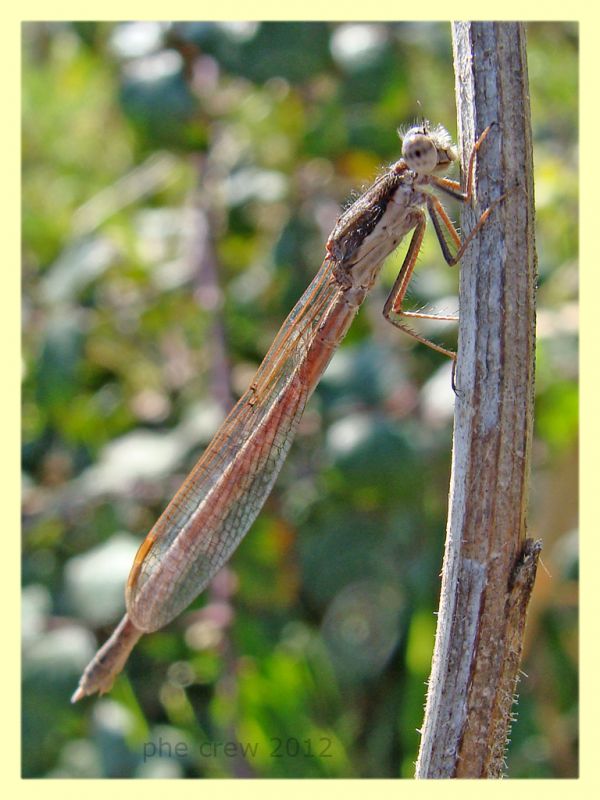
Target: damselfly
[(218, 502)]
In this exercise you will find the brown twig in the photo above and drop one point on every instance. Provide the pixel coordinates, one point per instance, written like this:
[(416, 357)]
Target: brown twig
[(489, 565)]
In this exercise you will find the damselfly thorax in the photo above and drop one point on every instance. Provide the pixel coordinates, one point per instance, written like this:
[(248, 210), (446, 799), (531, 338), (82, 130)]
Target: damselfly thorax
[(393, 206)]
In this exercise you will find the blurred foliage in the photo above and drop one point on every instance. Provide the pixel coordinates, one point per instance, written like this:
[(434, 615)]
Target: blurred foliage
[(179, 181)]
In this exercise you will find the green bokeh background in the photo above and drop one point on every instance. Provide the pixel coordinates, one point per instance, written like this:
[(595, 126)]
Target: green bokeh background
[(179, 183)]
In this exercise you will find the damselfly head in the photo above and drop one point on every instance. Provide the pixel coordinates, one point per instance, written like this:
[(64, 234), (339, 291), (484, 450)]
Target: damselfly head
[(426, 149)]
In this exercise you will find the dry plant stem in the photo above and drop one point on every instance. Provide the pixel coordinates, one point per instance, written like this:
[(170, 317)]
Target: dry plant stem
[(489, 565)]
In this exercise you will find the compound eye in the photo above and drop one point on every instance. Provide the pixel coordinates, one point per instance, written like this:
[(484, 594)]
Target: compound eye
[(420, 153)]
